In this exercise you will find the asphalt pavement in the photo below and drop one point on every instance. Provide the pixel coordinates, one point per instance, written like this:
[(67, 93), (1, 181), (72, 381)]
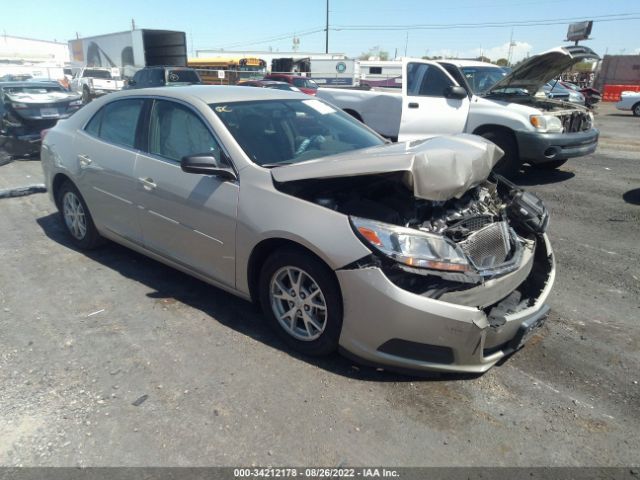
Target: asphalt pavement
[(110, 358)]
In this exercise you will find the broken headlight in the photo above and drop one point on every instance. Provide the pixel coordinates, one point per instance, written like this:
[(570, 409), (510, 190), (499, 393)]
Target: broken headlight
[(411, 247)]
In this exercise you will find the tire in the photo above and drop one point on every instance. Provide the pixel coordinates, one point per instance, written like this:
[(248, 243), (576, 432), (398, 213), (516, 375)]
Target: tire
[(636, 110), (553, 164), (510, 163), (317, 297), (86, 96), (76, 218)]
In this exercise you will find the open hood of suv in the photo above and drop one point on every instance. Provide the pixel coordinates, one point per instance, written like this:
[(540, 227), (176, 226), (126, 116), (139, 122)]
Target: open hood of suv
[(437, 169), (534, 72)]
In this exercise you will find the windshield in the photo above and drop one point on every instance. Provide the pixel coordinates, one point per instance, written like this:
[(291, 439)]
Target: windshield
[(273, 132), (481, 79), (35, 89), (105, 74), (182, 76)]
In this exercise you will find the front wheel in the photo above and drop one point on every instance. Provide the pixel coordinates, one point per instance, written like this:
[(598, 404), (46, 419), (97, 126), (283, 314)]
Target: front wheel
[(301, 299), (76, 218), (510, 163), (86, 96), (553, 164)]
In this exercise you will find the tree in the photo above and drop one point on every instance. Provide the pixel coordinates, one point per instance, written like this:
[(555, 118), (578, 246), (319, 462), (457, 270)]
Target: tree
[(375, 53), (503, 62)]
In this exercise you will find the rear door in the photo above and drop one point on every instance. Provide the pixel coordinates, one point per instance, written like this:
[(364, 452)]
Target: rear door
[(426, 111), (106, 154), (185, 217)]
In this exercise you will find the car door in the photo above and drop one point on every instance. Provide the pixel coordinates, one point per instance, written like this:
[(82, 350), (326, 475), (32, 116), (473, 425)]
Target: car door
[(106, 151), (185, 217), (426, 109)]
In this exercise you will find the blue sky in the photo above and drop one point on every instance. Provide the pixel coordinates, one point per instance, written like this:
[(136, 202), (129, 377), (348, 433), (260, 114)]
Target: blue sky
[(261, 25)]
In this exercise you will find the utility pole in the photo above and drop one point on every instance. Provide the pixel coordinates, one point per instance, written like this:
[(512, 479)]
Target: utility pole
[(326, 41), (406, 43)]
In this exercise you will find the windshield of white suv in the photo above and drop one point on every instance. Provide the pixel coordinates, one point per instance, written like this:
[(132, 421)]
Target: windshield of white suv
[(481, 79), (278, 132)]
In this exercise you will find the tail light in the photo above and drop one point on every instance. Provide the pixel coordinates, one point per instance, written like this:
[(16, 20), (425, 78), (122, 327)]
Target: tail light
[(43, 133)]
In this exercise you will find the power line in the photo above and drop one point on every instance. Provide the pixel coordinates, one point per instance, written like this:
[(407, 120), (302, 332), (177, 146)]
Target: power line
[(283, 36), (513, 23)]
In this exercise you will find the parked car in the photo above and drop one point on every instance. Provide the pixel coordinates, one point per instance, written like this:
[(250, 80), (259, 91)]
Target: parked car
[(591, 95), (93, 82), (556, 91), (305, 84), (452, 96), (27, 108), (269, 84), (629, 101), (19, 77), (164, 77), (287, 201)]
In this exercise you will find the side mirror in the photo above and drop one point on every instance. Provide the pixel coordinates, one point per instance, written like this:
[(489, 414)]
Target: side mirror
[(131, 82), (206, 164), (455, 92)]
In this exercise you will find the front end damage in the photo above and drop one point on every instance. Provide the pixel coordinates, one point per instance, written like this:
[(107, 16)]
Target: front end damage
[(451, 284)]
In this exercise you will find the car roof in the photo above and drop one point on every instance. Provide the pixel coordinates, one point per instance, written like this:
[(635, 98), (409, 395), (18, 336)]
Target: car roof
[(468, 63), (214, 93), (30, 83)]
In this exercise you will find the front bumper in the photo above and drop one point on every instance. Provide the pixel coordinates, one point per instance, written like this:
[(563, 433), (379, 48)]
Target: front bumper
[(388, 326), (537, 147)]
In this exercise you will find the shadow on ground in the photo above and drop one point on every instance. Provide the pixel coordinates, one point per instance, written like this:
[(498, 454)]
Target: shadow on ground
[(529, 176), (632, 196), (221, 306)]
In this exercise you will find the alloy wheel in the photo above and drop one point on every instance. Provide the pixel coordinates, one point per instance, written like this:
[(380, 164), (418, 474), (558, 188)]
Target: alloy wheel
[(74, 215), (298, 303)]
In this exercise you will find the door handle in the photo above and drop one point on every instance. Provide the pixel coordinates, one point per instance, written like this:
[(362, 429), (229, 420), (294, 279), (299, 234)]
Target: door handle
[(84, 160), (148, 184), (414, 105)]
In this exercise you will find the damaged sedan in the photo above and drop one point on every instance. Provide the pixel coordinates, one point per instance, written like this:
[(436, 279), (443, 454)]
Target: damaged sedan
[(412, 256), (27, 108)]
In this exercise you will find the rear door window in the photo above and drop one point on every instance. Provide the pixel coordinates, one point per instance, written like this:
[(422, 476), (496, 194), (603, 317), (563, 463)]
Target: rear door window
[(117, 122)]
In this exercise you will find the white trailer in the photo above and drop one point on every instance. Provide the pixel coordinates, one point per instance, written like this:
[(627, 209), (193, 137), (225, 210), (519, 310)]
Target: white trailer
[(131, 50)]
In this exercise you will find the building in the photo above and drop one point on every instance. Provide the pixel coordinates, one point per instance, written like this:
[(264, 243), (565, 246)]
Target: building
[(39, 58)]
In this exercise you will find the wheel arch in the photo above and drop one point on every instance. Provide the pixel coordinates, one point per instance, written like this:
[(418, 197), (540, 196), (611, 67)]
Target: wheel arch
[(263, 250), (489, 127), (58, 180)]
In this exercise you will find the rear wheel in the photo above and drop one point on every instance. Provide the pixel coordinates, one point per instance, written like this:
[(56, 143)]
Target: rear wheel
[(636, 110), (550, 165), (510, 163), (301, 299), (76, 217)]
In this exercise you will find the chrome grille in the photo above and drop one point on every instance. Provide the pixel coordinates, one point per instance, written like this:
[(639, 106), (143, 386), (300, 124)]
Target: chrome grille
[(489, 246)]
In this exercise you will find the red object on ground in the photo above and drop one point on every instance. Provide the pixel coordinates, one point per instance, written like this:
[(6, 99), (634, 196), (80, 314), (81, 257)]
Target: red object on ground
[(611, 93)]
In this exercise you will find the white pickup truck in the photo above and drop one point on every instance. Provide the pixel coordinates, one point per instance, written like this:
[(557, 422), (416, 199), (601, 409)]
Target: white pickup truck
[(454, 96), (92, 82)]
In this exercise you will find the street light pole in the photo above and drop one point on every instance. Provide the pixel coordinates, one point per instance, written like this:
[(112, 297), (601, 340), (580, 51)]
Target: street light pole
[(326, 41)]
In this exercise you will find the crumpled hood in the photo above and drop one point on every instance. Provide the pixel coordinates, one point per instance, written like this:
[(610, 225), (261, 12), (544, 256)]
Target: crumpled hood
[(436, 169), (533, 73), (50, 97)]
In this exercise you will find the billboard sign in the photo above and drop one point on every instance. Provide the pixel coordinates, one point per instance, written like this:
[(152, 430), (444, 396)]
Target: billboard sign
[(579, 31)]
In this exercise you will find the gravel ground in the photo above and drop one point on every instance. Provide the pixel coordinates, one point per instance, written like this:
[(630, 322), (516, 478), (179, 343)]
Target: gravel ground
[(110, 358)]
